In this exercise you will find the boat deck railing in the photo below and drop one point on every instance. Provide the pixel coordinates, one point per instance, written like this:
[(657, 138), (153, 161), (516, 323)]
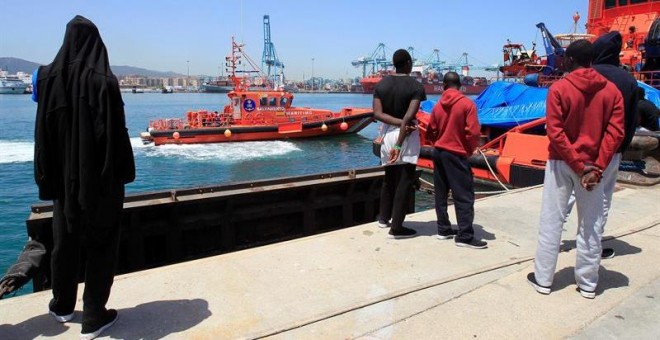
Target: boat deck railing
[(651, 78)]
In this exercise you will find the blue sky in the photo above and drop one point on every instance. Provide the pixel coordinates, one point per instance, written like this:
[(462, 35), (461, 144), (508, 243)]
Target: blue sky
[(163, 35)]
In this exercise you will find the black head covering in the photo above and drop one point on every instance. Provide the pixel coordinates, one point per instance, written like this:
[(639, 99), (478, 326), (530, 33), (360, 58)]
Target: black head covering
[(82, 148), (606, 61), (607, 48)]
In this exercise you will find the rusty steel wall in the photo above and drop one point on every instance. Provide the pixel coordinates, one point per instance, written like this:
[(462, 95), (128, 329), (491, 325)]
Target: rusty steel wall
[(171, 226)]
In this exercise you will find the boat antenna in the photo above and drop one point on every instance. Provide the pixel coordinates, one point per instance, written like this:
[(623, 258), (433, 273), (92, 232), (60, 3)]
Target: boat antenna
[(241, 45), (241, 21)]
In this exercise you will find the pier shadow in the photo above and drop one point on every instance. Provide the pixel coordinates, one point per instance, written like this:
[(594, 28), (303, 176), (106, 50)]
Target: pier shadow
[(430, 228), (152, 320), (427, 228), (621, 248), (607, 279), (39, 326), (481, 233), (159, 319)]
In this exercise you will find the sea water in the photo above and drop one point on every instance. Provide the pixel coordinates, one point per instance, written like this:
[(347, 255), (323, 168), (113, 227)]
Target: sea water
[(177, 166)]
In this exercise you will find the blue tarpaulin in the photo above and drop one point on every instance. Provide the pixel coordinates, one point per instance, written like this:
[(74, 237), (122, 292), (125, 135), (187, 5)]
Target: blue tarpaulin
[(506, 104)]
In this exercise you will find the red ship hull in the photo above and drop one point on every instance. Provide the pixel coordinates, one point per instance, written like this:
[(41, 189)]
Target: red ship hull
[(369, 83)]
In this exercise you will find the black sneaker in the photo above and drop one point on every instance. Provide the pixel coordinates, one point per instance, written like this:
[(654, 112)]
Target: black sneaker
[(447, 235), (91, 331), (607, 253), (474, 244), (403, 232), (586, 294), (531, 279)]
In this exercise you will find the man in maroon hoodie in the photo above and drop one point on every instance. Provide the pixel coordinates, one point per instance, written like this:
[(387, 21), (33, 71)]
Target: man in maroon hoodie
[(454, 130), (584, 113)]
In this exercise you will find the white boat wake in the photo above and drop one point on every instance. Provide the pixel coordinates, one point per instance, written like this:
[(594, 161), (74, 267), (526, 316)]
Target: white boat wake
[(12, 151), (224, 152), (16, 151)]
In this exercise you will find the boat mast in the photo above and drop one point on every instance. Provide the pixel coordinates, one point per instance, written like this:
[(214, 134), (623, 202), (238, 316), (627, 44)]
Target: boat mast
[(242, 82), (231, 63)]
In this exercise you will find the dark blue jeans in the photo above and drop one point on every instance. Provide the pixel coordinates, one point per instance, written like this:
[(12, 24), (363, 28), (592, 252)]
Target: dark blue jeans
[(454, 172)]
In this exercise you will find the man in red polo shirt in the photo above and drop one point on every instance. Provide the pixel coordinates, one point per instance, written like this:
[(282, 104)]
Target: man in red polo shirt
[(584, 113)]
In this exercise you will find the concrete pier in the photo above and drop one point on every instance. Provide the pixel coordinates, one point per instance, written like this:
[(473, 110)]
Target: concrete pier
[(356, 283)]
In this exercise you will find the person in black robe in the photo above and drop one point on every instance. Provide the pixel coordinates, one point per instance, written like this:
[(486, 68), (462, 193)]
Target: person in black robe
[(83, 158), (647, 112)]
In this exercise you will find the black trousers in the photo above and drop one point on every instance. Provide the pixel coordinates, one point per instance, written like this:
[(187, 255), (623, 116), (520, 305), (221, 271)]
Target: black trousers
[(454, 172), (395, 193), (96, 234)]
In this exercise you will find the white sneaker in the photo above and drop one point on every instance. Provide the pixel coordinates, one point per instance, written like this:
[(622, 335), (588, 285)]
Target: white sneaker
[(61, 318), (383, 225), (587, 294)]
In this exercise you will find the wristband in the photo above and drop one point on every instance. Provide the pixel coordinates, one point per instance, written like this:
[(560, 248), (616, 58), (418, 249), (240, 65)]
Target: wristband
[(396, 147)]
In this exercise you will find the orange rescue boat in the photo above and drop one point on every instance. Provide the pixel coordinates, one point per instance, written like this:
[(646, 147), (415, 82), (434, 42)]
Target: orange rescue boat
[(255, 113)]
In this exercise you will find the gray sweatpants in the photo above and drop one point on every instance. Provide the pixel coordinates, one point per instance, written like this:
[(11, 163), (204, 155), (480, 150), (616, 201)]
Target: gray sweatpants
[(609, 183), (560, 181)]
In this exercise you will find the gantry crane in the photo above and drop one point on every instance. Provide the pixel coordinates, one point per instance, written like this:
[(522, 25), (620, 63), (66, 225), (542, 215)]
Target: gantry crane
[(434, 61), (377, 61), (270, 62)]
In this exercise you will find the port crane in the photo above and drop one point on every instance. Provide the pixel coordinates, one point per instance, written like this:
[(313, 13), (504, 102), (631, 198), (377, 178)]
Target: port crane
[(434, 61), (411, 50), (270, 62), (377, 60), (520, 62), (554, 51)]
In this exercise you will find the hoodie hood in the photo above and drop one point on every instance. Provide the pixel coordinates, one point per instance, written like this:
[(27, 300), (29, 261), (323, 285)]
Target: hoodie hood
[(607, 49), (587, 80), (450, 97)]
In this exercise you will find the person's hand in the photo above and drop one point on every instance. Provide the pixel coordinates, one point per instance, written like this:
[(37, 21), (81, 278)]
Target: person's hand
[(590, 177), (590, 180), (410, 129), (394, 156)]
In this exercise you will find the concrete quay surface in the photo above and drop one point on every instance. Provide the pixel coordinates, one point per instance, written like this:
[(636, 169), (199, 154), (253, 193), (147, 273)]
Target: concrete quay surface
[(357, 283)]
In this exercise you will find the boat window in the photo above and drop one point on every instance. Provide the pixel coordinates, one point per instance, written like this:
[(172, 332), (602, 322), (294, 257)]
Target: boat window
[(283, 102), (610, 3), (263, 101), (623, 2), (632, 2), (273, 101)]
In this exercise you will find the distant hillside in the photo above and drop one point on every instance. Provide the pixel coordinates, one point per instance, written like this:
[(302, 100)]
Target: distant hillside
[(130, 70), (13, 65)]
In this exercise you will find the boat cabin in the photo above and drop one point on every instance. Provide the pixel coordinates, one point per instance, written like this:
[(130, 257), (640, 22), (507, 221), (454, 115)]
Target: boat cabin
[(245, 104), (632, 18)]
